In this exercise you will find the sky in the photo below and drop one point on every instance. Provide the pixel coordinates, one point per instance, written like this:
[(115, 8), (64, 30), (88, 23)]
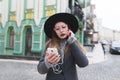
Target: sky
[(109, 12)]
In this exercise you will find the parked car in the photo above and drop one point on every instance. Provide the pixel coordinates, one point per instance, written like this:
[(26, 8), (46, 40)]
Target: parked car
[(115, 47)]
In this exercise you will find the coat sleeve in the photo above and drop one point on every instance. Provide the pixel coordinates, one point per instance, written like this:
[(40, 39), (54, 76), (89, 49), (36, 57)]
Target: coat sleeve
[(80, 58), (41, 67)]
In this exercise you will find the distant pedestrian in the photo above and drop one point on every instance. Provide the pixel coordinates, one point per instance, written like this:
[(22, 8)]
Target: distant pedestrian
[(103, 46), (63, 51), (103, 43)]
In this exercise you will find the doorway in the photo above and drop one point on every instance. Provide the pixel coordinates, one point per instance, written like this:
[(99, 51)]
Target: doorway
[(28, 42)]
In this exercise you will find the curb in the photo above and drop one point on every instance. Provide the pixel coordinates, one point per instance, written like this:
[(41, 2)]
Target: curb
[(19, 57)]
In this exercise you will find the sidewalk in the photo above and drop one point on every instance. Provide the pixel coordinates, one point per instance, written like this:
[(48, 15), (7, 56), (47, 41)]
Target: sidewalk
[(97, 55)]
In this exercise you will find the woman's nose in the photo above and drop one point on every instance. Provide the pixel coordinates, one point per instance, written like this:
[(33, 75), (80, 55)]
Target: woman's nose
[(61, 29)]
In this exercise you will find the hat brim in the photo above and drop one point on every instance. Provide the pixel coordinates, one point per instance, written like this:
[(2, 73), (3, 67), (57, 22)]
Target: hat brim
[(68, 18)]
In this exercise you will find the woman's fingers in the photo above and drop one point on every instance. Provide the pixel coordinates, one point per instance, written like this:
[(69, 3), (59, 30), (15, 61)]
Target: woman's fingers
[(53, 58)]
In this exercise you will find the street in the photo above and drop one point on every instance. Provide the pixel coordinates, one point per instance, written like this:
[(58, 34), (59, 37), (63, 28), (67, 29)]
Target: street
[(26, 70), (107, 70)]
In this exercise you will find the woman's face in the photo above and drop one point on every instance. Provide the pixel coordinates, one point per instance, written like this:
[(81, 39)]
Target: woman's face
[(61, 29)]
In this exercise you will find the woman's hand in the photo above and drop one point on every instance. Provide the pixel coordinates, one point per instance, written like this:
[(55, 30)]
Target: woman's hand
[(52, 57), (70, 34)]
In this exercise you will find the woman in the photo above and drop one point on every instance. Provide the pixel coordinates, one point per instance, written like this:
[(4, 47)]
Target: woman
[(61, 65)]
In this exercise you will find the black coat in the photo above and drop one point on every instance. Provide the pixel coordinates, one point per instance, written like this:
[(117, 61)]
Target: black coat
[(69, 66)]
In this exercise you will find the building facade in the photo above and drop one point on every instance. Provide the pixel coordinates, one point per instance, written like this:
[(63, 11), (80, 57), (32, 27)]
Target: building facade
[(22, 21)]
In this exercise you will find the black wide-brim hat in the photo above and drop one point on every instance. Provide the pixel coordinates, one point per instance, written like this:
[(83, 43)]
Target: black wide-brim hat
[(68, 18)]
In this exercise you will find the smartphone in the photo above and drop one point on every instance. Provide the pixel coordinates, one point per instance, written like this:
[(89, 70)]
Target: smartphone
[(52, 50)]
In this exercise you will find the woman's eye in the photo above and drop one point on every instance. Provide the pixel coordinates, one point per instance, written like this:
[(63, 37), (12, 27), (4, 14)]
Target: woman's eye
[(63, 26), (57, 29)]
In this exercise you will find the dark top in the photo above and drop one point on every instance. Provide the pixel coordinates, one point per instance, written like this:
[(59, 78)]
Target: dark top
[(69, 71)]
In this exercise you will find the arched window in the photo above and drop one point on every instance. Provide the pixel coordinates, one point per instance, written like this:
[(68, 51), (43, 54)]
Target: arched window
[(10, 38)]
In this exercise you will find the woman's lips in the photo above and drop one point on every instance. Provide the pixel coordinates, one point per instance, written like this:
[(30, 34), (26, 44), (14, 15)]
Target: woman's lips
[(62, 35)]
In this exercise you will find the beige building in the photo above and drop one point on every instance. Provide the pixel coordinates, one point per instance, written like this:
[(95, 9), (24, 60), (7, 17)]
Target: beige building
[(105, 33)]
